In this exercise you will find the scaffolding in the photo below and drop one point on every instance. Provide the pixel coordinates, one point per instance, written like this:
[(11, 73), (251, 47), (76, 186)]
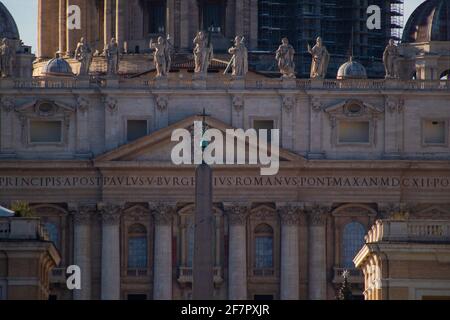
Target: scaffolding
[(397, 19), (338, 22)]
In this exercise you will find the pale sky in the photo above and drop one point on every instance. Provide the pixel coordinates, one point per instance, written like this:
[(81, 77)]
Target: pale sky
[(25, 14)]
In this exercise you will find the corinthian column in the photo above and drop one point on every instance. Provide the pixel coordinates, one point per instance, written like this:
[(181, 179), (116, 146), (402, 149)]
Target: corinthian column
[(108, 22), (290, 268), (317, 282), (81, 250), (120, 23), (237, 252), (162, 281), (62, 26), (111, 253)]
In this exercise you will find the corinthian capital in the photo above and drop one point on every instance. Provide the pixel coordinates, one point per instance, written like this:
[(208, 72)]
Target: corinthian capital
[(163, 212), (237, 214), (111, 213), (318, 214), (82, 214), (292, 214)]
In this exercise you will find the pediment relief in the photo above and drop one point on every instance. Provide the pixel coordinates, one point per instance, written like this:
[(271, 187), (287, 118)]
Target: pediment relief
[(432, 212), (189, 210), (137, 212), (263, 212), (353, 108), (158, 145), (45, 108)]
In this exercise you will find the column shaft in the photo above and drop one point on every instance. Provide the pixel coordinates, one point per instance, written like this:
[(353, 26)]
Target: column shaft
[(162, 281), (62, 26), (317, 255), (82, 254), (108, 22), (111, 254), (120, 23), (289, 282), (237, 254)]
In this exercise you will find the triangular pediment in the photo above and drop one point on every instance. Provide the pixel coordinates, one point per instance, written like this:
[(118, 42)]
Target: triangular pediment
[(157, 146), (345, 107)]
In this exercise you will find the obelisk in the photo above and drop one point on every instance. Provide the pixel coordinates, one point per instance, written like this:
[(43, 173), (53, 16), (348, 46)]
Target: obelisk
[(203, 262)]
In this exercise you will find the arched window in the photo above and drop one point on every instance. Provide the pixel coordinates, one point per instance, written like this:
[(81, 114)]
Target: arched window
[(53, 233), (353, 241), (264, 247), (137, 247)]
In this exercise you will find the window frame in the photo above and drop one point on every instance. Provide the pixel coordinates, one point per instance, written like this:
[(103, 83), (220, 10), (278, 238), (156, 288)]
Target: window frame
[(446, 133), (135, 118), (340, 143), (343, 244), (127, 252), (49, 143)]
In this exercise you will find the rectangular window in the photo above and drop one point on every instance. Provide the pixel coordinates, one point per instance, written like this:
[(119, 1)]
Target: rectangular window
[(136, 129), (45, 131), (137, 253), (354, 132), (435, 132), (264, 124), (264, 252)]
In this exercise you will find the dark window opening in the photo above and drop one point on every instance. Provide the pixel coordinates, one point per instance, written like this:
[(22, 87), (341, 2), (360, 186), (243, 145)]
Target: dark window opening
[(137, 297), (157, 17), (136, 129)]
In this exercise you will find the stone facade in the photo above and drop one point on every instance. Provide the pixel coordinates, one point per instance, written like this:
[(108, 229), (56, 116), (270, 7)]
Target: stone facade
[(92, 156), (26, 259), (94, 185)]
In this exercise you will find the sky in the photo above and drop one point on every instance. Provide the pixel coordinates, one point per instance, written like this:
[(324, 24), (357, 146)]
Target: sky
[(25, 14)]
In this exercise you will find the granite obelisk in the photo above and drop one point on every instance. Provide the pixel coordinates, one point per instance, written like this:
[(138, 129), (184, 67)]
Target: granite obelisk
[(203, 263)]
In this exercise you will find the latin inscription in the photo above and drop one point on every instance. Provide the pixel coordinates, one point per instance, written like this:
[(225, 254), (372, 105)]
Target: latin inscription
[(345, 182)]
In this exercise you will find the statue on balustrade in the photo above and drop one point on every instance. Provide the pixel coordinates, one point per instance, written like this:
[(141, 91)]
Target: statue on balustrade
[(112, 57), (203, 53), (390, 59), (7, 56), (320, 60), (239, 61), (83, 54), (161, 57), (285, 57)]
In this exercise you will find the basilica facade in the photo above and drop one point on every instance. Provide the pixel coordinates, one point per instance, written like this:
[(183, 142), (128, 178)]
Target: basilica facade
[(91, 155)]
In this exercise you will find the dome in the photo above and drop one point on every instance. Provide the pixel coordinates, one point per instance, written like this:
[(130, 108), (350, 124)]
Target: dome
[(8, 27), (351, 70), (429, 22), (57, 67)]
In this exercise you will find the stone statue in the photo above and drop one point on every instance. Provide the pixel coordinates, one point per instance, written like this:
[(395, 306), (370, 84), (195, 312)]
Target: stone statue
[(83, 54), (320, 60), (170, 52), (161, 57), (203, 53), (7, 55), (239, 61), (390, 57), (112, 57), (285, 57)]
